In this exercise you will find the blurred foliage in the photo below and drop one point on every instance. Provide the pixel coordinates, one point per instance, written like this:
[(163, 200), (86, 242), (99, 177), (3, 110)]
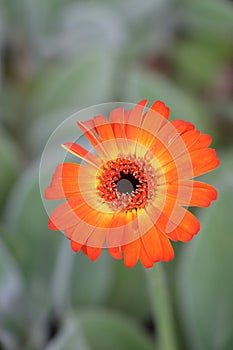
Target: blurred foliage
[(57, 57)]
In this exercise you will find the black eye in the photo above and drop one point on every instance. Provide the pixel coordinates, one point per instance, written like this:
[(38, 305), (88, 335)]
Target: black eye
[(127, 183)]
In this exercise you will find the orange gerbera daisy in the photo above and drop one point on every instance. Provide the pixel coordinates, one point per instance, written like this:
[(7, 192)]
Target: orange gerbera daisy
[(129, 193)]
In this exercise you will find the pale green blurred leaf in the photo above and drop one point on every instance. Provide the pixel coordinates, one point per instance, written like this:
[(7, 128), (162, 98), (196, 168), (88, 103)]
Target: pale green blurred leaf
[(79, 281), (211, 18), (84, 27), (130, 286), (141, 84), (10, 160), (101, 330), (73, 83), (133, 10), (70, 338), (7, 340), (34, 246), (42, 128), (91, 282), (209, 58), (205, 284), (11, 281)]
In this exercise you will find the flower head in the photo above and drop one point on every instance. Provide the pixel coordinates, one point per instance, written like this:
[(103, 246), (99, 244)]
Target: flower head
[(129, 193)]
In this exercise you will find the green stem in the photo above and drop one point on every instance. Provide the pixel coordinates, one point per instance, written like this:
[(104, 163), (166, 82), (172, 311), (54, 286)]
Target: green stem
[(161, 308)]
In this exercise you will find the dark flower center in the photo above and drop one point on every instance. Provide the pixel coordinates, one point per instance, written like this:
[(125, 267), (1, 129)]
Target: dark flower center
[(123, 183), (127, 183)]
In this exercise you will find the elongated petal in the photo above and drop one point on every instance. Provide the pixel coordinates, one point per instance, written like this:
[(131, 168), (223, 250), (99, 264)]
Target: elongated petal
[(152, 244), (160, 108), (186, 229), (93, 252), (192, 193), (131, 253), (203, 142), (182, 126), (115, 252), (144, 258), (168, 252), (64, 182), (135, 115), (75, 246), (202, 161), (82, 153)]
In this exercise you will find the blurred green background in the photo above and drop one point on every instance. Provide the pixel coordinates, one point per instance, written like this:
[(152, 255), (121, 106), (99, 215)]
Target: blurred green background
[(57, 57)]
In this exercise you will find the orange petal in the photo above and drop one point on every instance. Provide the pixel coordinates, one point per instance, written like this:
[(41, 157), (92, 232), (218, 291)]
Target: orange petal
[(115, 233), (190, 223), (190, 137), (79, 232), (64, 215), (135, 116), (191, 193), (152, 244), (187, 228), (203, 142), (89, 133), (131, 253), (182, 126), (117, 122), (194, 140), (96, 240), (93, 252), (93, 136), (75, 246), (153, 121), (118, 127), (144, 258), (203, 161), (133, 120), (146, 139), (82, 153), (119, 131), (64, 182), (76, 212), (117, 116), (115, 252), (168, 252), (104, 128), (198, 193), (203, 194), (180, 235), (105, 131), (84, 249), (155, 243), (160, 108)]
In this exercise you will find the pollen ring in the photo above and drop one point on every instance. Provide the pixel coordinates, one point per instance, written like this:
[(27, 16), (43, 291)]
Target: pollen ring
[(126, 183)]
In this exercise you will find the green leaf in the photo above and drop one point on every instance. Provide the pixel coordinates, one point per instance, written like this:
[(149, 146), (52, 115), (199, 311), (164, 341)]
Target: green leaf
[(129, 293), (209, 57), (101, 330), (71, 337), (38, 134), (205, 286), (10, 160), (33, 245), (141, 84), (11, 281), (106, 330), (212, 18), (74, 83), (83, 282), (91, 282)]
